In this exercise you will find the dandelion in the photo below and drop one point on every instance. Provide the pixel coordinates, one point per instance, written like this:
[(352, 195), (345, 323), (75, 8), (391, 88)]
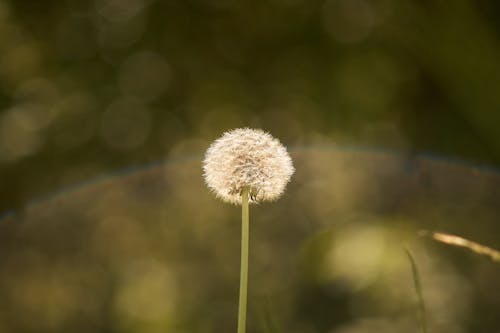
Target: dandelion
[(247, 158), (241, 167)]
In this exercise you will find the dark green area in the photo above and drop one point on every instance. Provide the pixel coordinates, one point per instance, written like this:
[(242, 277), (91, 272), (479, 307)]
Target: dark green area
[(91, 87), (412, 75)]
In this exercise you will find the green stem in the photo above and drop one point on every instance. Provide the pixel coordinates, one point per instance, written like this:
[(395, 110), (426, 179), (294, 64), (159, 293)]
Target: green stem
[(418, 290), (245, 230)]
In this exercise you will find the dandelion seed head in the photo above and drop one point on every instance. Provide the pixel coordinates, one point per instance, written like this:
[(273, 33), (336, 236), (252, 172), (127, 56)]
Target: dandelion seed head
[(250, 158)]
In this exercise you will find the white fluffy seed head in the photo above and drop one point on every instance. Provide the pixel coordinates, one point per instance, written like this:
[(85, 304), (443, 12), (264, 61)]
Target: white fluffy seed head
[(250, 158)]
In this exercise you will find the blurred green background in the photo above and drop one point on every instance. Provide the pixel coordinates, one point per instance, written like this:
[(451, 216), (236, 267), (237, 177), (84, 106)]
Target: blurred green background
[(91, 87)]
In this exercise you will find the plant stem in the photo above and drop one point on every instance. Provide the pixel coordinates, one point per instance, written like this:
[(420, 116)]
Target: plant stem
[(245, 229), (462, 242), (418, 290)]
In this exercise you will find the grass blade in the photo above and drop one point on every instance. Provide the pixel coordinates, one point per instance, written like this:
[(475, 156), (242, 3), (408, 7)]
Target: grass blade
[(418, 289)]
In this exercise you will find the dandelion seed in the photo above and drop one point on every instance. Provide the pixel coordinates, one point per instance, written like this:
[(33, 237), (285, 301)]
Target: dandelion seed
[(247, 158)]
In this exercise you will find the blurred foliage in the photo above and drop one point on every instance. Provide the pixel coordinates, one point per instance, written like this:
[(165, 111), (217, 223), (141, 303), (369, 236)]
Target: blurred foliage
[(154, 251), (89, 87)]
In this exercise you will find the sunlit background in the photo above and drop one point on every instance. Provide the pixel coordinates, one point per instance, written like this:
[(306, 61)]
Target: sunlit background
[(106, 109)]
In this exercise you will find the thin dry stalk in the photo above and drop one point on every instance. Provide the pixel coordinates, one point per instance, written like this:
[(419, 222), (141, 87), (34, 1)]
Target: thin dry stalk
[(454, 240)]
